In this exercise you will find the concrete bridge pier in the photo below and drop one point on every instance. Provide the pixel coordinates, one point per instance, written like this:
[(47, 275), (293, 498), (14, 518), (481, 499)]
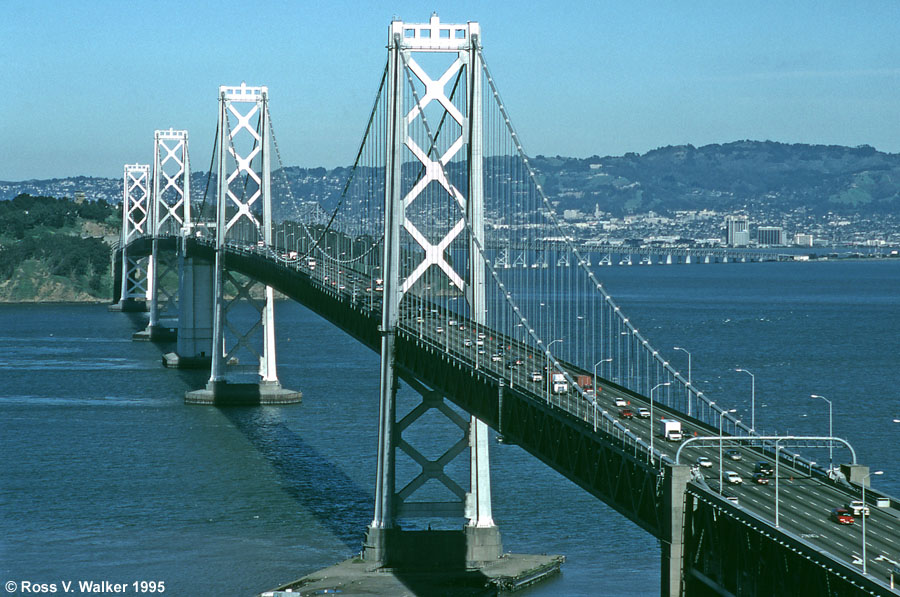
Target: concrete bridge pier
[(676, 478), (194, 339)]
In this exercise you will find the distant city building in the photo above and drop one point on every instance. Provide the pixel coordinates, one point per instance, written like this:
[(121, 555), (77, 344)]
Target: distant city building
[(737, 231), (803, 240), (79, 197), (770, 235)]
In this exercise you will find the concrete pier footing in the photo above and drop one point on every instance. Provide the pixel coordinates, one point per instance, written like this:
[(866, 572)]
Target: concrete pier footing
[(156, 333), (130, 306), (173, 360), (507, 573), (222, 393), (469, 548)]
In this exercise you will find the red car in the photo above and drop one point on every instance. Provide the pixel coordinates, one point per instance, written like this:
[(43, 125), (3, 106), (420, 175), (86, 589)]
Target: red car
[(841, 516), (626, 414)]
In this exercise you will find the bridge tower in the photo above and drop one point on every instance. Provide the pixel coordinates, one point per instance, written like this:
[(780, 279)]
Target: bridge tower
[(133, 288), (243, 368), (170, 218), (479, 539)]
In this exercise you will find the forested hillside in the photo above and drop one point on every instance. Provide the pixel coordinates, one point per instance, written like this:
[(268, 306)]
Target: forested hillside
[(54, 250)]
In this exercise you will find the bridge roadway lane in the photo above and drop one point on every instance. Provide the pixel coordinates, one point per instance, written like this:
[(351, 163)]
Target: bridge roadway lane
[(805, 501)]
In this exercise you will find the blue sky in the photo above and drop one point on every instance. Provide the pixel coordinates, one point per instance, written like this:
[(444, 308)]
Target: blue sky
[(87, 83)]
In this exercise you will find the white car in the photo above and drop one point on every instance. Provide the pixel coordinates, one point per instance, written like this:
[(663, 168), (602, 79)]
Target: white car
[(620, 401), (733, 478), (536, 376), (704, 462), (643, 413), (858, 508)]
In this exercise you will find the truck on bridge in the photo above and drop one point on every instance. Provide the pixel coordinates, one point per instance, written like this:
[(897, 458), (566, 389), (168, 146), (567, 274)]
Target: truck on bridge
[(669, 429)]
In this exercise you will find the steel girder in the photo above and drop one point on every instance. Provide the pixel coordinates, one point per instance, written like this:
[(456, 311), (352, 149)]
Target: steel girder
[(729, 552)]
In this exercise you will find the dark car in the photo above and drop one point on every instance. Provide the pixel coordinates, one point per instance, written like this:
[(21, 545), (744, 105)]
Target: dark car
[(764, 468), (760, 479), (626, 413), (841, 516), (733, 454)]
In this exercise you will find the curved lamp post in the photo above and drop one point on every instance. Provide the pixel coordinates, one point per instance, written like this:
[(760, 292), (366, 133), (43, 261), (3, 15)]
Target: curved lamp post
[(689, 376), (863, 514), (659, 385), (752, 400), (721, 441), (830, 432), (606, 360)]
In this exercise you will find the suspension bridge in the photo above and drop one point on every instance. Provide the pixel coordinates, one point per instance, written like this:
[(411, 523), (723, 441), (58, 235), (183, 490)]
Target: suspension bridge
[(414, 259)]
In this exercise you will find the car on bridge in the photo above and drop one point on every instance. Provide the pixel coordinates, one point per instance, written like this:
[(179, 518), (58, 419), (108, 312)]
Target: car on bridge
[(858, 508), (704, 462), (733, 455), (841, 516), (626, 413), (536, 376), (760, 479), (643, 413), (620, 401), (733, 478), (764, 468)]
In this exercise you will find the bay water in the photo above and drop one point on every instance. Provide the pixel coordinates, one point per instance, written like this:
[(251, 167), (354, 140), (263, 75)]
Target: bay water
[(105, 474)]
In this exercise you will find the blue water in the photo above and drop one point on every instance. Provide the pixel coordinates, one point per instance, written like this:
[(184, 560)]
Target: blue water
[(105, 474)]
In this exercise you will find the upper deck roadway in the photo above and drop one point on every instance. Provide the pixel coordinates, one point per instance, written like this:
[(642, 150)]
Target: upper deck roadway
[(806, 496)]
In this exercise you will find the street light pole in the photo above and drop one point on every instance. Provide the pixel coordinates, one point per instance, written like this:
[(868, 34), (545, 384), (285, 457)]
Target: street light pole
[(691, 385), (659, 385), (606, 360), (830, 432), (721, 441), (894, 570), (777, 458), (549, 373), (752, 400), (863, 514)]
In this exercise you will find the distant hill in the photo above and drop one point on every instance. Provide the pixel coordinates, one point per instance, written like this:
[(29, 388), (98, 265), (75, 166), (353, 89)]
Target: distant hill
[(751, 175), (744, 175)]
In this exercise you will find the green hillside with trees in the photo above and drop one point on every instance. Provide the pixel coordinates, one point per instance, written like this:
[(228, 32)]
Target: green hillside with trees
[(55, 249)]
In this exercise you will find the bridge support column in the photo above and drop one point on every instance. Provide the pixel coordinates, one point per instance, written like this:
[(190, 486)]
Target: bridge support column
[(855, 473), (672, 540), (195, 312), (242, 367), (170, 216), (134, 289), (479, 539)]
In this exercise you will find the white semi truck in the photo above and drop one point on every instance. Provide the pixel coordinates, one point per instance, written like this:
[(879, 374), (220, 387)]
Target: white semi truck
[(669, 429)]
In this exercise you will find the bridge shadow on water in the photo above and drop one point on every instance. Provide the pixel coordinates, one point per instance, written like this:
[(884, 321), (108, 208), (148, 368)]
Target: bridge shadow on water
[(434, 561), (308, 476)]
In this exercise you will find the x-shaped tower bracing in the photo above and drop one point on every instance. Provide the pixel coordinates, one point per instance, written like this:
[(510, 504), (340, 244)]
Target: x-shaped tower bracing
[(407, 39), (243, 214), (171, 210), (135, 223)]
